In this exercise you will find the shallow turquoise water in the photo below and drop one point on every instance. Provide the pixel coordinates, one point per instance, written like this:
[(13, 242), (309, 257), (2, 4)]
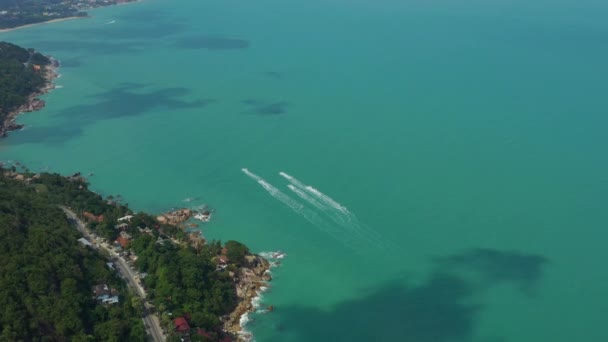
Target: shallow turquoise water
[(466, 140)]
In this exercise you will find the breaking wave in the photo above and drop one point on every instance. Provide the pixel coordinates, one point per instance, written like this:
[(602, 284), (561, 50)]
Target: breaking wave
[(245, 334), (273, 255)]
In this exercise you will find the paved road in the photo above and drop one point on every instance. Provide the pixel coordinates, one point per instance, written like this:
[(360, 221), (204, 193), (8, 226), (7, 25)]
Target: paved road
[(151, 321)]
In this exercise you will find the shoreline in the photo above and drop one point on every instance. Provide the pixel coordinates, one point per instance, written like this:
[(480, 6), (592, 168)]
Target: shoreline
[(250, 282), (41, 23), (33, 102), (4, 30)]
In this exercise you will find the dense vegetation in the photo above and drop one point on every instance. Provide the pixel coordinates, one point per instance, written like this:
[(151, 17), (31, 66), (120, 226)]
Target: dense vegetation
[(182, 280), (24, 12), (18, 78), (46, 276)]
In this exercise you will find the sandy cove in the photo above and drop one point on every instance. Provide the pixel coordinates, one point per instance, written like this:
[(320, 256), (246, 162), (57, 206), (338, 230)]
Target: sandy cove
[(40, 23), (63, 19)]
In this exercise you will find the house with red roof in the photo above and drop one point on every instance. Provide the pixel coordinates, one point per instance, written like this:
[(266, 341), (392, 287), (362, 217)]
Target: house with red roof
[(122, 241), (203, 332), (92, 217), (181, 325)]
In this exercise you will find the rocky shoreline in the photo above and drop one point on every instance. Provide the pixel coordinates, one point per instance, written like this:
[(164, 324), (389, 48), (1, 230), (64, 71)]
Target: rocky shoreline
[(34, 103), (250, 281), (178, 217)]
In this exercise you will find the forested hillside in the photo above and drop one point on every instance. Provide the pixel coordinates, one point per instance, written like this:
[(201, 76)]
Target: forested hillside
[(21, 75), (46, 276), (15, 13)]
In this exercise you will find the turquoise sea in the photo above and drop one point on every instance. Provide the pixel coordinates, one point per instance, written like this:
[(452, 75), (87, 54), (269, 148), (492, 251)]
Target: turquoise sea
[(455, 153)]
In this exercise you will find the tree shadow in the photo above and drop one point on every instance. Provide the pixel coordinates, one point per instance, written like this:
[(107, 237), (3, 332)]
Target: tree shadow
[(443, 308)]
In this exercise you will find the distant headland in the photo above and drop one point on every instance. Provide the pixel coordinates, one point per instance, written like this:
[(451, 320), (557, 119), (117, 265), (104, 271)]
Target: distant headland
[(17, 14), (26, 75)]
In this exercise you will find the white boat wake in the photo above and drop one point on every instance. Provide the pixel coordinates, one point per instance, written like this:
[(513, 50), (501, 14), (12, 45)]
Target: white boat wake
[(343, 225), (274, 192), (299, 208), (324, 198), (336, 211), (307, 197)]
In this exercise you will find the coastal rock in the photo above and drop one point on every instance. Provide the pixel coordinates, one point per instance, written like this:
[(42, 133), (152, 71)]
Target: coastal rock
[(175, 217), (196, 240), (12, 126), (33, 103), (249, 281)]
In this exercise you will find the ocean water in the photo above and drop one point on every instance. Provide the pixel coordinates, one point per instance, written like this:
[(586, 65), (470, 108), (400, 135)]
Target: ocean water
[(451, 179)]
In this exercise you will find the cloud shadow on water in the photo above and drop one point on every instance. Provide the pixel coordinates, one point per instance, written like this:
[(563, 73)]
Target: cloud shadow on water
[(494, 266), (134, 34), (264, 108), (445, 307), (90, 47), (211, 43), (125, 100), (48, 135)]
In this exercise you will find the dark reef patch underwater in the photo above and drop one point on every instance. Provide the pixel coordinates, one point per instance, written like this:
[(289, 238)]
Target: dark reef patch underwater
[(444, 307)]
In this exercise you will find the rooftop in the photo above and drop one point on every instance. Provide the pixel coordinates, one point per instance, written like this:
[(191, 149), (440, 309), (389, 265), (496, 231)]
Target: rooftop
[(85, 242), (181, 325)]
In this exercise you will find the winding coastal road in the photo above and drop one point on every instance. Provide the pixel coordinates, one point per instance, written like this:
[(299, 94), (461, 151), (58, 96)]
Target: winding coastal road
[(151, 322)]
